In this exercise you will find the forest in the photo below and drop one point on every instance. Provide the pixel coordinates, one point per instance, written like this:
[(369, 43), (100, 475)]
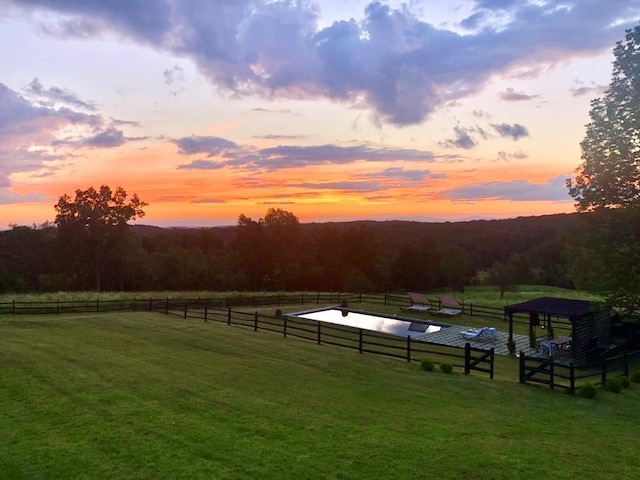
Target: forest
[(277, 253)]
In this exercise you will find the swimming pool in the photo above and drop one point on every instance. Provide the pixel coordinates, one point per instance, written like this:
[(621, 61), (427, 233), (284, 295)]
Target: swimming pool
[(391, 324)]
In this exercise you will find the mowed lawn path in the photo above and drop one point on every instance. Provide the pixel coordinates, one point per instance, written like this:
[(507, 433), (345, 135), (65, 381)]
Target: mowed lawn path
[(149, 396)]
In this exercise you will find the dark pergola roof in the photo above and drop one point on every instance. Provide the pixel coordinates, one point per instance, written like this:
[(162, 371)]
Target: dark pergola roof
[(555, 307)]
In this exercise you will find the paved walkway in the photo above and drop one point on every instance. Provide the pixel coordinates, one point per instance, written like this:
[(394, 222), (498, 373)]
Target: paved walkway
[(451, 336)]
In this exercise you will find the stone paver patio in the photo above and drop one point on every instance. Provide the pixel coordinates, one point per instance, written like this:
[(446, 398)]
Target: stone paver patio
[(451, 336)]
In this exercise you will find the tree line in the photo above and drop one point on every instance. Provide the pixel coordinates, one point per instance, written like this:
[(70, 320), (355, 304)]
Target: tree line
[(91, 246)]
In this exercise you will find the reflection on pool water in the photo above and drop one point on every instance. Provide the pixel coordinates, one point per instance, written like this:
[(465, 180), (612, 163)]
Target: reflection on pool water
[(370, 321)]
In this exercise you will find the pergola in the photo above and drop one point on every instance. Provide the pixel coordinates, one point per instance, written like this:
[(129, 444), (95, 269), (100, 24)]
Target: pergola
[(579, 313)]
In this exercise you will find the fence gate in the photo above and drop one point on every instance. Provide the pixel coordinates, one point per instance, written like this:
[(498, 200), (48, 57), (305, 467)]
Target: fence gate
[(542, 370), (478, 363)]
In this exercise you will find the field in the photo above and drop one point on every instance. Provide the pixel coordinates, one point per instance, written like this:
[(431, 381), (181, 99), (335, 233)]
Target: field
[(141, 395)]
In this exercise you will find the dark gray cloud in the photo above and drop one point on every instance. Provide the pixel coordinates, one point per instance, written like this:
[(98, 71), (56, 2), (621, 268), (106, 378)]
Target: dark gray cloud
[(554, 190), (201, 164), (462, 139), (53, 95), (406, 175), (515, 131), (593, 90), (209, 145), (108, 138), (510, 95), (288, 156), (399, 66)]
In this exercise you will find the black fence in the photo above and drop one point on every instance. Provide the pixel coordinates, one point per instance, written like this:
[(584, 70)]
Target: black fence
[(554, 374), (467, 358)]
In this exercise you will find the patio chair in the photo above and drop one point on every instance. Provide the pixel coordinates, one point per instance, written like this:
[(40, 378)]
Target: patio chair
[(448, 306), (419, 303), (484, 333)]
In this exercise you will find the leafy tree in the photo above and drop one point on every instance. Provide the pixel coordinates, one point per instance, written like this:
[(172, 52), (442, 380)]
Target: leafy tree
[(93, 226), (608, 180), (456, 267), (503, 275), (609, 176), (284, 242)]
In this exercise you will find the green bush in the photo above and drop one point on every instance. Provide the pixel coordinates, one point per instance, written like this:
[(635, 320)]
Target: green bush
[(635, 376), (278, 313), (614, 385), (587, 391), (426, 365), (446, 368), (626, 383)]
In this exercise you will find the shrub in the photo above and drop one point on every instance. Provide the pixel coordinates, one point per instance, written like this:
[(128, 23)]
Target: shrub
[(635, 376), (614, 385), (446, 368), (278, 313), (587, 391), (626, 383), (426, 365)]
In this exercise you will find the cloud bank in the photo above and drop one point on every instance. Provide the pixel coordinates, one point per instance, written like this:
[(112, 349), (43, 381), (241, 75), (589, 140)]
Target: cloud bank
[(391, 61)]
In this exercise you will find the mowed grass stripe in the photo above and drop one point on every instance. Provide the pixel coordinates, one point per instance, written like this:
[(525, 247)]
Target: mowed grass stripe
[(150, 396)]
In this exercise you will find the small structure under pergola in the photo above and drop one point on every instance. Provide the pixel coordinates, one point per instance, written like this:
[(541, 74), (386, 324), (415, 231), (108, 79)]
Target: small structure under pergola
[(587, 323)]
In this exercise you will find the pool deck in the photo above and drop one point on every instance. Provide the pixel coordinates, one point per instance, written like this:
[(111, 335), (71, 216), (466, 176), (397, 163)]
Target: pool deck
[(452, 336)]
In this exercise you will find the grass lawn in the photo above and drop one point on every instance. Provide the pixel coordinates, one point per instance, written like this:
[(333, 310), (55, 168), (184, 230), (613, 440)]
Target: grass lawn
[(139, 395)]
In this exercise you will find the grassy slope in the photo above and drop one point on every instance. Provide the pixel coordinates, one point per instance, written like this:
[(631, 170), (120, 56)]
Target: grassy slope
[(149, 396)]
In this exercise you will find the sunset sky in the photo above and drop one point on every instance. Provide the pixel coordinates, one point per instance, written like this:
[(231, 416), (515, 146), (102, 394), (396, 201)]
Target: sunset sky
[(334, 110)]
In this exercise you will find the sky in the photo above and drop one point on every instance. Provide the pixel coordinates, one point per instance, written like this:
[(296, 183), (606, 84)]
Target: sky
[(334, 110)]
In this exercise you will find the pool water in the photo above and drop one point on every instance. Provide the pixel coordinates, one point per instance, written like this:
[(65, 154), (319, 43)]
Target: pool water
[(401, 327)]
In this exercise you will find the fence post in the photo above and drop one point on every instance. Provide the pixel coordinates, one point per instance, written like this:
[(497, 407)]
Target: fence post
[(572, 378), (13, 307), (493, 356), (471, 309), (151, 304), (319, 333), (97, 304), (185, 311), (284, 330), (58, 307), (359, 297), (360, 340), (626, 364), (166, 306), (521, 358), (603, 371), (467, 358), (318, 298), (255, 322), (302, 298), (409, 348), (206, 308), (229, 316)]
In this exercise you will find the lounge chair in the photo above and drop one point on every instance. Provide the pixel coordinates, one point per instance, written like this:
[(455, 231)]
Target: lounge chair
[(448, 306), (484, 333), (419, 303)]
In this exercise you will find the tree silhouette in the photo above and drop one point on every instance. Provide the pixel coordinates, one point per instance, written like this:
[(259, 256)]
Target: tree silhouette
[(93, 226)]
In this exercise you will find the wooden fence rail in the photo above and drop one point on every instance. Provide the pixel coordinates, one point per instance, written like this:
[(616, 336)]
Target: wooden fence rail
[(60, 307), (555, 374), (324, 333)]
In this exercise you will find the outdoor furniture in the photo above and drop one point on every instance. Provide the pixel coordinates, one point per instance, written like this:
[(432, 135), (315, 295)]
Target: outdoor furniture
[(484, 333), (448, 306), (560, 346), (419, 303)]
